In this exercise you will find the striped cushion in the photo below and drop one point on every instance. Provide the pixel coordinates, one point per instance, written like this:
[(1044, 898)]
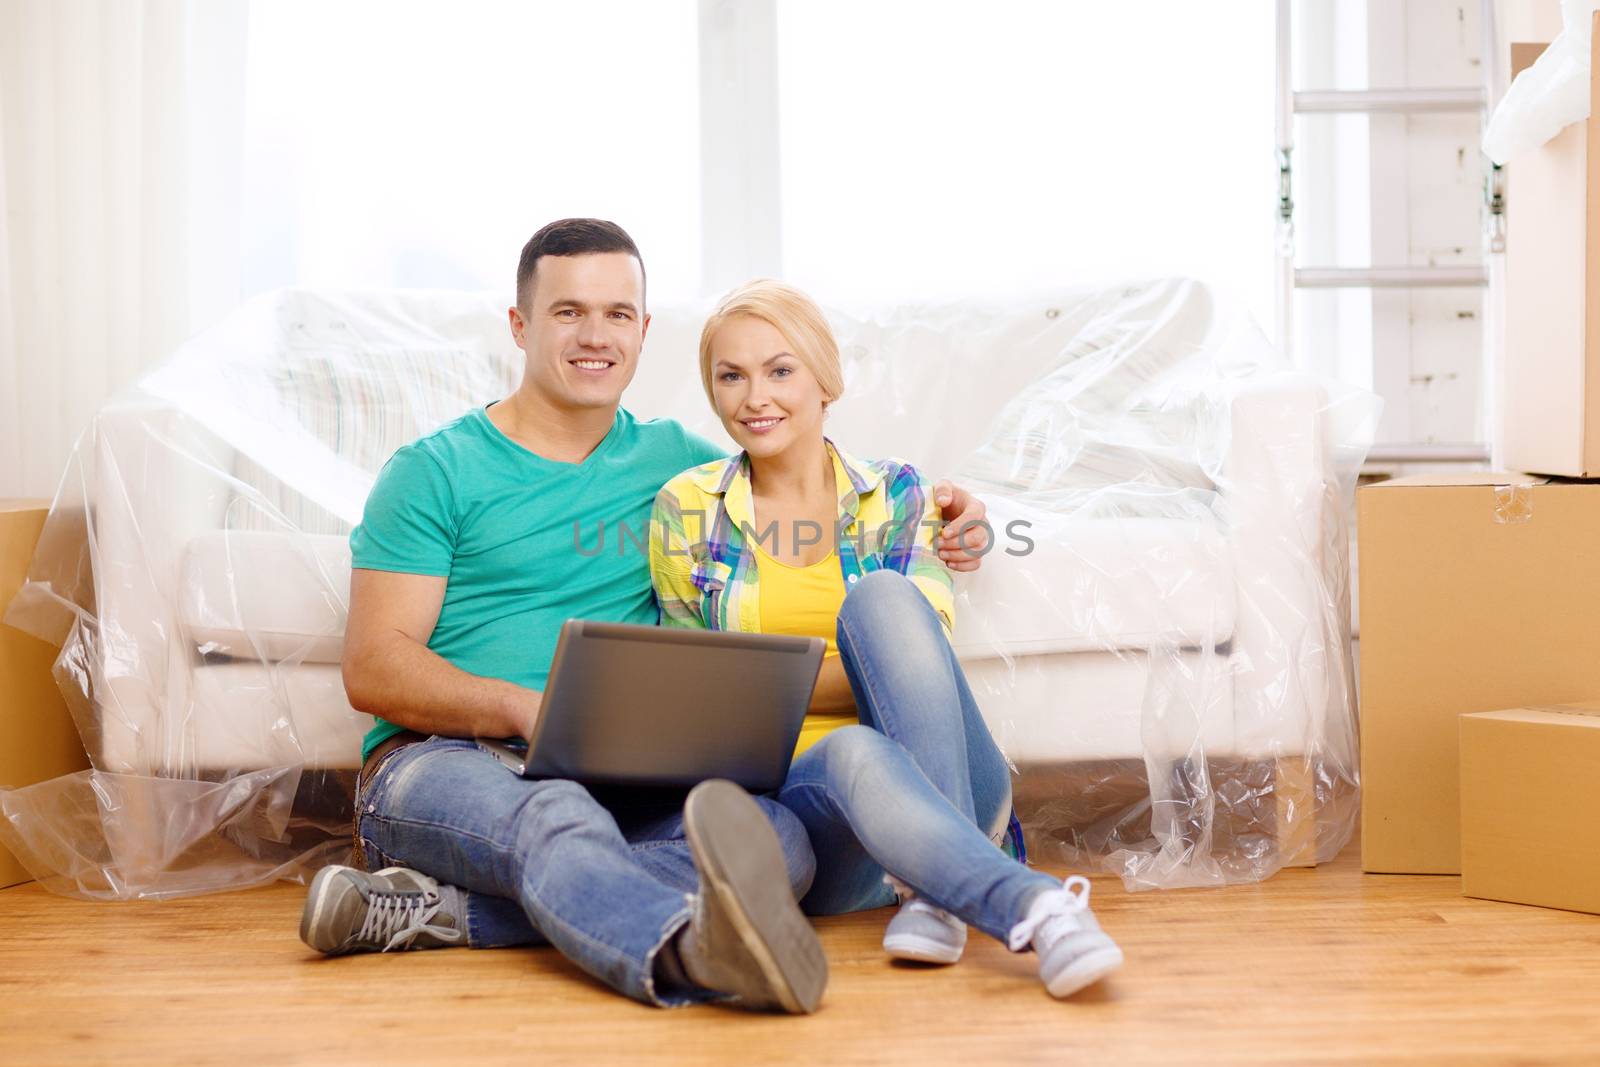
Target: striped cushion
[(363, 403)]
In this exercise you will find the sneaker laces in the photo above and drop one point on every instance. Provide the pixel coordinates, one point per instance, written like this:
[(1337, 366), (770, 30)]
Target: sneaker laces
[(1053, 915), (395, 918)]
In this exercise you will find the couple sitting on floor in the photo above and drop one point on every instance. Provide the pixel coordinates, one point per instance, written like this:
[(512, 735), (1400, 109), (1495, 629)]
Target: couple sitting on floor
[(465, 569)]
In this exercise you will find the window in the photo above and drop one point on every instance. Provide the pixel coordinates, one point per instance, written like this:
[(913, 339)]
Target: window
[(948, 148), (926, 149), (416, 145)]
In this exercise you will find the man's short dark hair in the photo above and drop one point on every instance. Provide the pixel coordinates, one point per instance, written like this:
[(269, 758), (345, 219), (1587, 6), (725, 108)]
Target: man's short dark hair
[(573, 237)]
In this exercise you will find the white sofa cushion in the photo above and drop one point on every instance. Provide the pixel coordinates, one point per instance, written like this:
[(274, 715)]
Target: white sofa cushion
[(1103, 705), (1092, 585), (1088, 585), (1109, 407), (276, 597), (249, 716)]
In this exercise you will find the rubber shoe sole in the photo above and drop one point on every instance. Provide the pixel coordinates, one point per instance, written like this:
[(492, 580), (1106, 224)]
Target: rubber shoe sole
[(921, 949), (1085, 971), (739, 861)]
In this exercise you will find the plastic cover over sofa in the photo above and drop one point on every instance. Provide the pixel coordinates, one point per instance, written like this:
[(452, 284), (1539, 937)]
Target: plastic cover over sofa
[(1159, 635)]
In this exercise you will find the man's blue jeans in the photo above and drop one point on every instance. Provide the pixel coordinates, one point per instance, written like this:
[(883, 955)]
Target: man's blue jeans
[(607, 883), (911, 794), (919, 789)]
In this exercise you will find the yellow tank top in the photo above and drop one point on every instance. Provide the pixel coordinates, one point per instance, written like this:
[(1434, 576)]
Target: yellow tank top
[(804, 601)]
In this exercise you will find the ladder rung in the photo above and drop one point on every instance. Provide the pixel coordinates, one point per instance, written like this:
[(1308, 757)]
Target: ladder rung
[(1334, 101), (1388, 277), (1428, 453)]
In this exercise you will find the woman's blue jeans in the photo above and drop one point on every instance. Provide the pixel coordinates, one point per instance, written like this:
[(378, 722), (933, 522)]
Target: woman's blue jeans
[(919, 789)]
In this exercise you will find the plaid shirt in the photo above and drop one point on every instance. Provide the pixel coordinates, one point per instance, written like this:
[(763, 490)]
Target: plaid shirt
[(705, 574)]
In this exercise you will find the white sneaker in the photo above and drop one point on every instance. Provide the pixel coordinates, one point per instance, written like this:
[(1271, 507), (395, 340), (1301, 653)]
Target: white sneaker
[(921, 931), (1073, 951)]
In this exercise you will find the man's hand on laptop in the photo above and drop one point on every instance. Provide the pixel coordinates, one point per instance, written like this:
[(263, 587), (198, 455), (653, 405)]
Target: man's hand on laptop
[(524, 711), (966, 536)]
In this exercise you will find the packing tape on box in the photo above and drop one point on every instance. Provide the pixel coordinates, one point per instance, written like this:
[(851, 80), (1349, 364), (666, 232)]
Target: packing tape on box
[(1513, 504), (1564, 709)]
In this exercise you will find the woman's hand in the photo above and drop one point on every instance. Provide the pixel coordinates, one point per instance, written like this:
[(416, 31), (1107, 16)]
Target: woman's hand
[(966, 536)]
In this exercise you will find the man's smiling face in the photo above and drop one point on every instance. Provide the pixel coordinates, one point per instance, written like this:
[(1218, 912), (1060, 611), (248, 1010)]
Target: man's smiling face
[(582, 328)]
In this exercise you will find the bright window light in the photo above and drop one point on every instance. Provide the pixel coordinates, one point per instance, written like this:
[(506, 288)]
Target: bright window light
[(929, 149), (419, 144), (932, 147)]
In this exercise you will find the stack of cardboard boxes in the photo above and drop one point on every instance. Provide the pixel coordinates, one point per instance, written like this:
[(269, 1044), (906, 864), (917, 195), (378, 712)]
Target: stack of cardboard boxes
[(37, 736), (1480, 593)]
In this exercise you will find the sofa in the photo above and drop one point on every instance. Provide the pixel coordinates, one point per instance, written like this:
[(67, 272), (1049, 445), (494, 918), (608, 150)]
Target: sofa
[(1159, 636)]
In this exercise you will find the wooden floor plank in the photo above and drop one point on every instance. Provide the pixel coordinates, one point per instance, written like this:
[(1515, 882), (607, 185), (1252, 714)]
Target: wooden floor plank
[(1319, 965)]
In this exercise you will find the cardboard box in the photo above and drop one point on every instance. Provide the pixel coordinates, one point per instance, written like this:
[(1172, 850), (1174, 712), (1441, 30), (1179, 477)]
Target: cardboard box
[(37, 737), (1479, 592), (1530, 806), (1550, 419)]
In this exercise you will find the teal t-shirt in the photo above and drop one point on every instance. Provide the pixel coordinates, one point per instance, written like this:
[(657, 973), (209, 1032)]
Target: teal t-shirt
[(526, 543)]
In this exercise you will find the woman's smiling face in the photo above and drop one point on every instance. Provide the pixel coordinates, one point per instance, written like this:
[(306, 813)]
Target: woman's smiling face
[(767, 398)]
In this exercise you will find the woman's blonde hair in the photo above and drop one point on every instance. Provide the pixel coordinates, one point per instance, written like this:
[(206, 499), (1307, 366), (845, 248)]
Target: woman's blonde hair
[(790, 312)]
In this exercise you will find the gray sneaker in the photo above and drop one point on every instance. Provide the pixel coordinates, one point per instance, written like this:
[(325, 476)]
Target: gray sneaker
[(925, 933), (747, 936), (352, 911), (1073, 951)]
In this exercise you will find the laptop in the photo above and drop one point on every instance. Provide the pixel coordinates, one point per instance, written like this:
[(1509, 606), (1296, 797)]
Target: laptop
[(648, 705)]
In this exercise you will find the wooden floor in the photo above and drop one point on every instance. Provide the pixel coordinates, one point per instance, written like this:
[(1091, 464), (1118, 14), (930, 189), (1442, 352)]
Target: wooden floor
[(1322, 965)]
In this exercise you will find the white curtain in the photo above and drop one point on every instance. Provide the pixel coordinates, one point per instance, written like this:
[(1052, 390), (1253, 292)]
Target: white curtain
[(120, 132)]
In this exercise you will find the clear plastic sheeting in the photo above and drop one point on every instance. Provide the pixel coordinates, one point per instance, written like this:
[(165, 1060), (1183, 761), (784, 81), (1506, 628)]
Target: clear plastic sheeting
[(1551, 94), (1159, 636), (1168, 665)]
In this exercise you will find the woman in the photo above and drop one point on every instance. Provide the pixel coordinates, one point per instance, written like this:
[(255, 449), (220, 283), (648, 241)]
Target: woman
[(895, 772)]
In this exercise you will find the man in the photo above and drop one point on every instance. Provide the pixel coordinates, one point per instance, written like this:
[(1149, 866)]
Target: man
[(464, 571)]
